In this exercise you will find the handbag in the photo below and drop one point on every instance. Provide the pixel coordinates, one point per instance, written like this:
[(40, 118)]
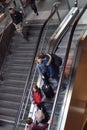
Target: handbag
[(39, 115)]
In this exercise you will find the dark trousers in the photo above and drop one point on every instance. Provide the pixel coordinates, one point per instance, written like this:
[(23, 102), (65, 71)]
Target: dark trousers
[(34, 8)]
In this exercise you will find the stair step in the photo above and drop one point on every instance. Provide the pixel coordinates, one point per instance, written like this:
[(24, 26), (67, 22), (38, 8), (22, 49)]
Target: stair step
[(19, 57), (9, 104), (13, 83), (18, 61), (21, 70), (7, 119), (15, 76), (9, 84), (16, 67), (29, 46), (11, 90), (10, 97), (8, 112), (16, 71)]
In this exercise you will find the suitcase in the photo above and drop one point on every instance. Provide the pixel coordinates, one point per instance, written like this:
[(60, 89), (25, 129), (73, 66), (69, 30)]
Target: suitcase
[(57, 60), (48, 91)]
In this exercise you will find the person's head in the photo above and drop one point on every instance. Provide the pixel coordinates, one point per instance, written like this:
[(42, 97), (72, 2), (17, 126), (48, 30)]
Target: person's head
[(35, 88), (29, 120), (39, 58), (11, 10)]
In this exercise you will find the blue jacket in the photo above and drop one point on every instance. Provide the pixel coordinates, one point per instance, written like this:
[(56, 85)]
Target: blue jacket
[(17, 17), (50, 70)]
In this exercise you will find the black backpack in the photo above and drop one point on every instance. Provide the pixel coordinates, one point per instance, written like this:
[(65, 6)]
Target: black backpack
[(57, 60)]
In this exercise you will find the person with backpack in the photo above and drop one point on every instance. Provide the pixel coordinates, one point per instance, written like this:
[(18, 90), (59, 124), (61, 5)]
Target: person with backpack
[(47, 67), (32, 126)]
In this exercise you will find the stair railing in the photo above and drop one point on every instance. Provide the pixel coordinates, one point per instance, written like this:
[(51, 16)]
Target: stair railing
[(24, 102), (64, 65)]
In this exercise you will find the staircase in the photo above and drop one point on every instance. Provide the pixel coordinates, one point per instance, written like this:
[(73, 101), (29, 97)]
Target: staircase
[(15, 69)]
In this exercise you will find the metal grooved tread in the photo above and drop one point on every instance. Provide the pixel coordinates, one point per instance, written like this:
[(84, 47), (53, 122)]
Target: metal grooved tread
[(15, 69)]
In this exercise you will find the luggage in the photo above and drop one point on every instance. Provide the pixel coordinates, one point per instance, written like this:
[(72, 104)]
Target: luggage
[(57, 60), (48, 91), (39, 115)]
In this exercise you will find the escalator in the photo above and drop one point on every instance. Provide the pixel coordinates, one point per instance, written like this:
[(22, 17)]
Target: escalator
[(61, 51), (16, 68), (78, 104), (68, 49), (67, 77)]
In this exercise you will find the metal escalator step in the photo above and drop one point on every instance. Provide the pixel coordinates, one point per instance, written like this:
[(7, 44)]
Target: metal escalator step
[(10, 84), (61, 52), (64, 44)]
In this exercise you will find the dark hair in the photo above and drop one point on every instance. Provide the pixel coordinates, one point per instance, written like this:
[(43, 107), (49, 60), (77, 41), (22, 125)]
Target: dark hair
[(41, 56), (29, 120), (37, 88), (11, 8)]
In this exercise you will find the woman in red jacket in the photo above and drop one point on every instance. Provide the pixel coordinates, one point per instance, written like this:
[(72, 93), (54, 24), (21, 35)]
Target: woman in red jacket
[(37, 98)]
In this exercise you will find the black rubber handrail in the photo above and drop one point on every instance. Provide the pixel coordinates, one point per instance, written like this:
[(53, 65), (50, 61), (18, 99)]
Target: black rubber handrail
[(65, 61)]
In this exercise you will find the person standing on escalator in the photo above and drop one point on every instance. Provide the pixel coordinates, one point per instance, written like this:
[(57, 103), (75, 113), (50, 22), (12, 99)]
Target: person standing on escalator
[(47, 68), (32, 126)]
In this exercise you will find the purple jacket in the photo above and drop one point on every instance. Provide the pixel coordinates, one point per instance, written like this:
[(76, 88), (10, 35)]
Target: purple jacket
[(37, 127)]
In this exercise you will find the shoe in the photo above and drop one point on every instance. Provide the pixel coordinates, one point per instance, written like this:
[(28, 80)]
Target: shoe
[(37, 14)]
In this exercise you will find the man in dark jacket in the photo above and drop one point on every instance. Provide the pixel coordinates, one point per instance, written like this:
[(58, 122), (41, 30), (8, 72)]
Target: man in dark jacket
[(33, 6), (17, 19)]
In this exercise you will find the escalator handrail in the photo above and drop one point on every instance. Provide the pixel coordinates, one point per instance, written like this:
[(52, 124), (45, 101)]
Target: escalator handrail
[(29, 74), (65, 61)]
